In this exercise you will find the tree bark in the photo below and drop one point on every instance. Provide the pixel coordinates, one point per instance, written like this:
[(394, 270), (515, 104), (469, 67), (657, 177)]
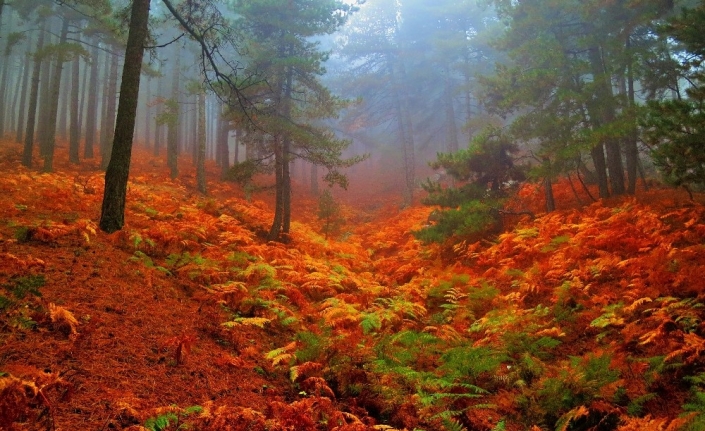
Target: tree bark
[(223, 149), (33, 97), (113, 209), (92, 108), (632, 150), (452, 132), (147, 115), (172, 140), (75, 128), (201, 151), (108, 126), (606, 110), (160, 108), (19, 138), (50, 137)]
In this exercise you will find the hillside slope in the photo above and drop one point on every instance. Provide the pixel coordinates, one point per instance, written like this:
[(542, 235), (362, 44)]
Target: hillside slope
[(581, 319)]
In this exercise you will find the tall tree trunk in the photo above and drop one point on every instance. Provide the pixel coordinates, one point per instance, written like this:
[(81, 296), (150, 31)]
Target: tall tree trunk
[(3, 91), (452, 132), (33, 96), (314, 179), (631, 148), (82, 102), (147, 115), (64, 105), (160, 108), (108, 130), (222, 143), (275, 230), (605, 108), (92, 106), (43, 107), (548, 193), (23, 99), (112, 216), (17, 89), (50, 137), (201, 144), (172, 140), (405, 129), (75, 128), (598, 160)]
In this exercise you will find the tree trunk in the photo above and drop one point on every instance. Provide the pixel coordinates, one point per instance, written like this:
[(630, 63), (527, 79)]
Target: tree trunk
[(632, 150), (23, 99), (548, 193), (201, 151), (222, 143), (50, 137), (75, 128), (451, 133), (113, 209), (275, 230), (33, 96), (43, 107), (606, 115), (314, 179), (172, 140), (108, 130), (82, 102), (160, 108), (92, 108), (286, 185), (3, 92), (63, 113), (147, 115), (598, 160)]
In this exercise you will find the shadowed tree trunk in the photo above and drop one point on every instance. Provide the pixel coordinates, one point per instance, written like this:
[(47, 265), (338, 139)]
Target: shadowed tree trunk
[(112, 216), (33, 97)]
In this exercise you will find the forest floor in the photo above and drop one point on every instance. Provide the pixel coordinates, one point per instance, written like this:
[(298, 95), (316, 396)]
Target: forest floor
[(590, 317)]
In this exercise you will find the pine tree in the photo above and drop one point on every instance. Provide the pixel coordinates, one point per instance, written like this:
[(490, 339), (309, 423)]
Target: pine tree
[(292, 102)]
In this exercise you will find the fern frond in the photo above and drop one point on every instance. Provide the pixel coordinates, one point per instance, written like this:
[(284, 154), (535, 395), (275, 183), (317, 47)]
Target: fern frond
[(247, 321), (282, 354), (564, 422)]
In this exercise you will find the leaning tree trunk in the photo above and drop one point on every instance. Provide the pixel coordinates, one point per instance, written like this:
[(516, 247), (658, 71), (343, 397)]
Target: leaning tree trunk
[(112, 216), (92, 106), (50, 137), (33, 97)]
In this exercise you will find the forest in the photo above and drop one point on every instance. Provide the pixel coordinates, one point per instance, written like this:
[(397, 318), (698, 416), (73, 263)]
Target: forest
[(352, 215)]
